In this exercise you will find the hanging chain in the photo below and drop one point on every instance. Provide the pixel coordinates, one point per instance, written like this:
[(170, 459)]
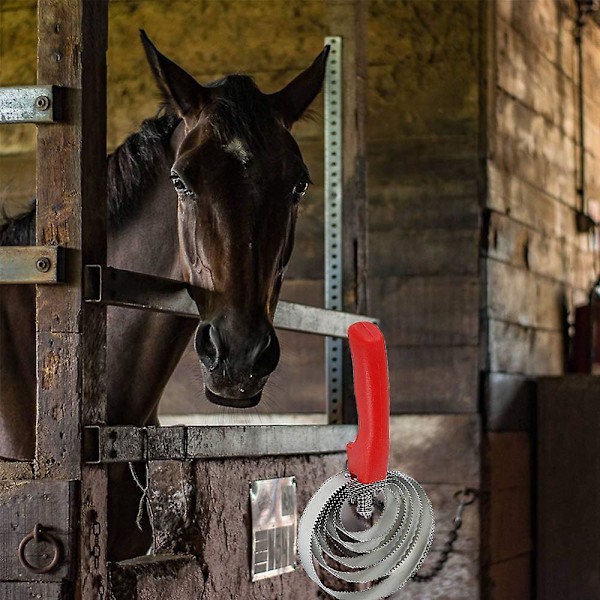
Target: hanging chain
[(464, 498), (96, 555)]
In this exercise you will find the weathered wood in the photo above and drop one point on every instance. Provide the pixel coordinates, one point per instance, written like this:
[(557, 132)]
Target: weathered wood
[(539, 303), (509, 456), (70, 212), (568, 490), (534, 150), (531, 205), (26, 591), (508, 402), (179, 515), (426, 205), (437, 449), (509, 579), (427, 311), (528, 75), (515, 348), (221, 511), (424, 252), (165, 577), (15, 470), (435, 379), (51, 504)]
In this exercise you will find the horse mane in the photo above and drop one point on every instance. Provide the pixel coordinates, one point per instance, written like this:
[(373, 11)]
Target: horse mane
[(239, 110), (131, 171)]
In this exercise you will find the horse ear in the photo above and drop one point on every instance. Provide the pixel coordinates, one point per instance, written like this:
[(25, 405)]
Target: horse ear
[(179, 89), (292, 101)]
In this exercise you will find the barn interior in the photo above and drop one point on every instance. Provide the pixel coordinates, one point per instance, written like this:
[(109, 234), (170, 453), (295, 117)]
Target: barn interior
[(481, 152)]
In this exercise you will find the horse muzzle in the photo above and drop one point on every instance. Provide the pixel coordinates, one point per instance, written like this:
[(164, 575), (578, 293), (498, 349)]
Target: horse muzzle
[(236, 368)]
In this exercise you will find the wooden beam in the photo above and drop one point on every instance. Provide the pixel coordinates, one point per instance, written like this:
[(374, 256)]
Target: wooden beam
[(71, 196)]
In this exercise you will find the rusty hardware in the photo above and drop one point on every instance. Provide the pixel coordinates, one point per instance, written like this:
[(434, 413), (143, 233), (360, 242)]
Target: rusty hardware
[(464, 497), (43, 264), (40, 535), (42, 103)]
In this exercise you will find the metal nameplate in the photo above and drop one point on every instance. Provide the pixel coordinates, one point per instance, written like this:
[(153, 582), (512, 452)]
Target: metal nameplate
[(274, 525)]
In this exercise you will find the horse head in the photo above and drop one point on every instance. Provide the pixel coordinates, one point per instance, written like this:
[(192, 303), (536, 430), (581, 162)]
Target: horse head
[(239, 176)]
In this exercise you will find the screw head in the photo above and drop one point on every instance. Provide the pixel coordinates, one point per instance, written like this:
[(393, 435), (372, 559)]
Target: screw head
[(43, 264), (42, 103)]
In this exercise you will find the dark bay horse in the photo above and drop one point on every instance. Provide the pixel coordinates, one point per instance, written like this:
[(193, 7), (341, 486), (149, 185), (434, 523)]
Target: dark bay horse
[(208, 193)]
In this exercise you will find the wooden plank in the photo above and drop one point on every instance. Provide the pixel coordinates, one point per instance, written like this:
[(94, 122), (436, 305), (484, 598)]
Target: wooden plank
[(51, 504), (510, 528), (539, 302), (510, 579), (508, 402), (165, 577), (71, 196), (223, 519), (424, 252), (523, 247), (435, 157), (424, 205), (179, 516), (11, 470), (531, 205), (514, 348), (26, 591), (437, 449), (528, 75), (427, 311), (509, 457), (568, 491), (435, 379), (528, 146)]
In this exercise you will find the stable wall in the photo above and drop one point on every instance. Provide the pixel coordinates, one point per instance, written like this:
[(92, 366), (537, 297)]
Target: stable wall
[(423, 131), (537, 266)]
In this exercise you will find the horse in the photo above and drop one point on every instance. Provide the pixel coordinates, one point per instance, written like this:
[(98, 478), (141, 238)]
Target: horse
[(207, 192)]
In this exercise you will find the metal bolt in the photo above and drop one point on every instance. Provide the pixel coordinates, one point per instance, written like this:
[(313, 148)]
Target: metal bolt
[(43, 264), (42, 103)]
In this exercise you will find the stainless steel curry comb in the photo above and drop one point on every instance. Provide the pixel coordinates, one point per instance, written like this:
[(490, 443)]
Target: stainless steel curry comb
[(367, 525)]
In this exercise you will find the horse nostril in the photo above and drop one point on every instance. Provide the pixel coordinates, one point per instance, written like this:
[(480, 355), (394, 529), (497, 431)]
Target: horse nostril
[(267, 355), (207, 345)]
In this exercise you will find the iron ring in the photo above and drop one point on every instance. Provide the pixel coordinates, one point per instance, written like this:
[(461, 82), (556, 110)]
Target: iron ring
[(39, 535)]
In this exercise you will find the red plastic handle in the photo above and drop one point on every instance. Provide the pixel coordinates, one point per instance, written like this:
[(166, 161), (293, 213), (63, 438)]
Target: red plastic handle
[(368, 454)]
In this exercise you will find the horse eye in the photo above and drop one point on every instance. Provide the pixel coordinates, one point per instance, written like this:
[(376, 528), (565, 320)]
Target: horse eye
[(300, 188), (180, 185)]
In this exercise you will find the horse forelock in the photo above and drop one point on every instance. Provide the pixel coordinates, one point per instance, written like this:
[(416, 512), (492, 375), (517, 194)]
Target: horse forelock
[(240, 112)]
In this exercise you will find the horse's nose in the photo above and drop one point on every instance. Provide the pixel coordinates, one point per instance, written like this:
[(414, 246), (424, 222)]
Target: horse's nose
[(257, 353), (209, 346)]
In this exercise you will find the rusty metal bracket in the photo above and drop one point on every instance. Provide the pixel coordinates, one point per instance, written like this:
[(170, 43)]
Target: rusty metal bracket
[(31, 264), (27, 104), (119, 287)]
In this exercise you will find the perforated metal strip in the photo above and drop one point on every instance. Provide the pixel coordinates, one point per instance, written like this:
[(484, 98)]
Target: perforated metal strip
[(333, 221)]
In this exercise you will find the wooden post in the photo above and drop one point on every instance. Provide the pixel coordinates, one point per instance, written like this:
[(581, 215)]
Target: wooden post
[(348, 19), (71, 199)]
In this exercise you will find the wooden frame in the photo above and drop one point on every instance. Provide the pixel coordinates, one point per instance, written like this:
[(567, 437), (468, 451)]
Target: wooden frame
[(71, 333)]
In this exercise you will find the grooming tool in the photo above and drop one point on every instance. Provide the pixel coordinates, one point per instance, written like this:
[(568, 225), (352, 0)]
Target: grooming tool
[(367, 525)]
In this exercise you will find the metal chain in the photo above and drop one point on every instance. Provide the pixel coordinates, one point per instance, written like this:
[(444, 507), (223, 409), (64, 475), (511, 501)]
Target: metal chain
[(464, 498), (96, 554)]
